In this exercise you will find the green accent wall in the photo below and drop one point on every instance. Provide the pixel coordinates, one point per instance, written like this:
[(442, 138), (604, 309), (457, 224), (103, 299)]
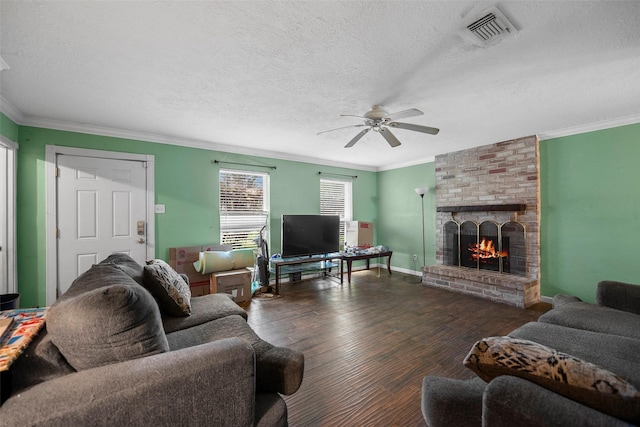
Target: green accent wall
[(588, 183), (8, 128), (400, 215), (186, 182), (590, 200)]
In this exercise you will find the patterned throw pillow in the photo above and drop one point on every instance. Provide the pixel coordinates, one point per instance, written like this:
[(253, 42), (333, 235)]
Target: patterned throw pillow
[(559, 372), (168, 288)]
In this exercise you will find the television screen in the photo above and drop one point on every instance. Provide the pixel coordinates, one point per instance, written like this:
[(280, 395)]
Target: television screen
[(310, 234)]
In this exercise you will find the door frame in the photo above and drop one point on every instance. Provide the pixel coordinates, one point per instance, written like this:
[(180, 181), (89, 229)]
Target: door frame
[(9, 252), (51, 152)]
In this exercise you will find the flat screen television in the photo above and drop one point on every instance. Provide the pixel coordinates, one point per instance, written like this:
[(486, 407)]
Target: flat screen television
[(310, 234)]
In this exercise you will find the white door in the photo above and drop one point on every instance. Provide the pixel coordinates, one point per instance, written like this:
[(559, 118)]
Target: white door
[(102, 209)]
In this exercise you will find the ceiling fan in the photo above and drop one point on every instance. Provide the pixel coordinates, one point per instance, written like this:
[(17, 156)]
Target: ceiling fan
[(379, 120)]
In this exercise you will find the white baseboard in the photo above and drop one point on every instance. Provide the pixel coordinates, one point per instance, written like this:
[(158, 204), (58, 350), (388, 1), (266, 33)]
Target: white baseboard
[(548, 300)]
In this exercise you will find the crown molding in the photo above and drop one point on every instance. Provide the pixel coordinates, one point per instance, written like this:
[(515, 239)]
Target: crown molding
[(40, 122), (18, 117), (10, 111), (590, 127), (416, 162)]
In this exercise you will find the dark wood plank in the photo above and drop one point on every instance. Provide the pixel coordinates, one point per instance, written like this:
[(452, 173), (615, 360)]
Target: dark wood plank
[(368, 345)]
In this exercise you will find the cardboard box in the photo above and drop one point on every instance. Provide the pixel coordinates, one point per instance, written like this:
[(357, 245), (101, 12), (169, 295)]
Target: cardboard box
[(237, 283), (359, 234), (198, 291), (182, 259)]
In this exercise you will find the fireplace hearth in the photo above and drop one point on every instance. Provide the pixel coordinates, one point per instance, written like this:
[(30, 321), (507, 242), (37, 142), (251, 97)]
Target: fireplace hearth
[(487, 222)]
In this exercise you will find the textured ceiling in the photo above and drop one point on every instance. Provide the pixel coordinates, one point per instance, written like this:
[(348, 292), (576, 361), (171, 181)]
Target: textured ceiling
[(264, 77)]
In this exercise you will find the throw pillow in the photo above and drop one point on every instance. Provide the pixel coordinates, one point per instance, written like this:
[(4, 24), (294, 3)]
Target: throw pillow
[(559, 372), (107, 325), (168, 288)]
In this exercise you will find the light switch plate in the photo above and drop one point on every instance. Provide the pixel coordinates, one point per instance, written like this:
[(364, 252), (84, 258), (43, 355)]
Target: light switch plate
[(159, 208)]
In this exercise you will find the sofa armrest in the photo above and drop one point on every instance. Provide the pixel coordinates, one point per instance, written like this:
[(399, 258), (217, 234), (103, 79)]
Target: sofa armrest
[(510, 401), (561, 299), (451, 402), (618, 295), (279, 369), (209, 384)]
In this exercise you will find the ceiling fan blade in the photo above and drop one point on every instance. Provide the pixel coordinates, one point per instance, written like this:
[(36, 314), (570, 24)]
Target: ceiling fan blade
[(391, 139), (404, 114), (357, 138), (352, 115), (344, 127), (417, 128)]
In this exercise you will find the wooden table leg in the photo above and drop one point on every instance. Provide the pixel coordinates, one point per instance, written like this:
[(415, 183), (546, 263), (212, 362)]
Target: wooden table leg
[(349, 271), (389, 264), (277, 279)]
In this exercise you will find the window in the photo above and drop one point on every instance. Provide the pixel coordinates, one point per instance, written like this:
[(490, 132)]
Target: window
[(244, 207), (336, 199)]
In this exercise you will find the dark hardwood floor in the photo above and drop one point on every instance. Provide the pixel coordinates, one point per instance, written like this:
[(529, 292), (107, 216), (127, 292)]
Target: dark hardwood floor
[(368, 345)]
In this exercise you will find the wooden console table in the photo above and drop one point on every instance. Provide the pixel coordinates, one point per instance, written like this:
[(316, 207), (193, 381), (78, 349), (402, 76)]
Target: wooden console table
[(356, 257)]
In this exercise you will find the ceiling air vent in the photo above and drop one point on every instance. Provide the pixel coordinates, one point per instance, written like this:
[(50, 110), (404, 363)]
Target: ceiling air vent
[(488, 29)]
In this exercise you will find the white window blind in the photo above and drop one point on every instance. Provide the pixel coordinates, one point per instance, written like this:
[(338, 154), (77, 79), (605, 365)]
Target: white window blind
[(244, 207), (336, 199)]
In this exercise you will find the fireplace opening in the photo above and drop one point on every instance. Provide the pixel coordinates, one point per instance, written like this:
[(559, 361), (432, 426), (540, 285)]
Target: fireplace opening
[(485, 246)]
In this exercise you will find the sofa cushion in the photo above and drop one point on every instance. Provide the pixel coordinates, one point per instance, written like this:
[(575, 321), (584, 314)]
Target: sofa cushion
[(98, 276), (204, 309), (113, 323), (590, 317), (168, 288), (562, 373), (128, 265)]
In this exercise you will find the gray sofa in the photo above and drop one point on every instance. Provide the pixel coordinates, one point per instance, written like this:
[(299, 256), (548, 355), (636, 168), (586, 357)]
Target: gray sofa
[(110, 354), (605, 334)]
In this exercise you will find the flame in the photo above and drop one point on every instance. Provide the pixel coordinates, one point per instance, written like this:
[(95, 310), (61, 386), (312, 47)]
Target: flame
[(485, 249)]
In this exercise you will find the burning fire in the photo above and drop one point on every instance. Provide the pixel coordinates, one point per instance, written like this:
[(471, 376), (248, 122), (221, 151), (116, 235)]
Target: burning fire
[(485, 249)]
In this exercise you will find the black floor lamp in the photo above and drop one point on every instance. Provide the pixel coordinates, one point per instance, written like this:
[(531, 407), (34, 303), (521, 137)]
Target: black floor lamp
[(421, 192)]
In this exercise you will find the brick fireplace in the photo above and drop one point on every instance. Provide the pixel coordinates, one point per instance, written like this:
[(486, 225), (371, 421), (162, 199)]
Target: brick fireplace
[(488, 194)]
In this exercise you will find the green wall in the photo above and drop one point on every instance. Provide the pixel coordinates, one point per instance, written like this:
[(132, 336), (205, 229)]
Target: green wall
[(8, 128), (400, 214), (590, 200), (185, 182)]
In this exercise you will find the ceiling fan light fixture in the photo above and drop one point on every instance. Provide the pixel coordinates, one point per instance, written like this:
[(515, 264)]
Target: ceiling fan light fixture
[(379, 120)]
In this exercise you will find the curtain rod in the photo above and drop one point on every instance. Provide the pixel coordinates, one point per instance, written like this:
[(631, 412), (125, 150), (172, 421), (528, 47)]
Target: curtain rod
[(337, 174), (243, 164)]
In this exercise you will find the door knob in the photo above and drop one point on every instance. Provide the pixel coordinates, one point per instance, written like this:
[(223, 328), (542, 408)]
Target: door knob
[(141, 240)]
